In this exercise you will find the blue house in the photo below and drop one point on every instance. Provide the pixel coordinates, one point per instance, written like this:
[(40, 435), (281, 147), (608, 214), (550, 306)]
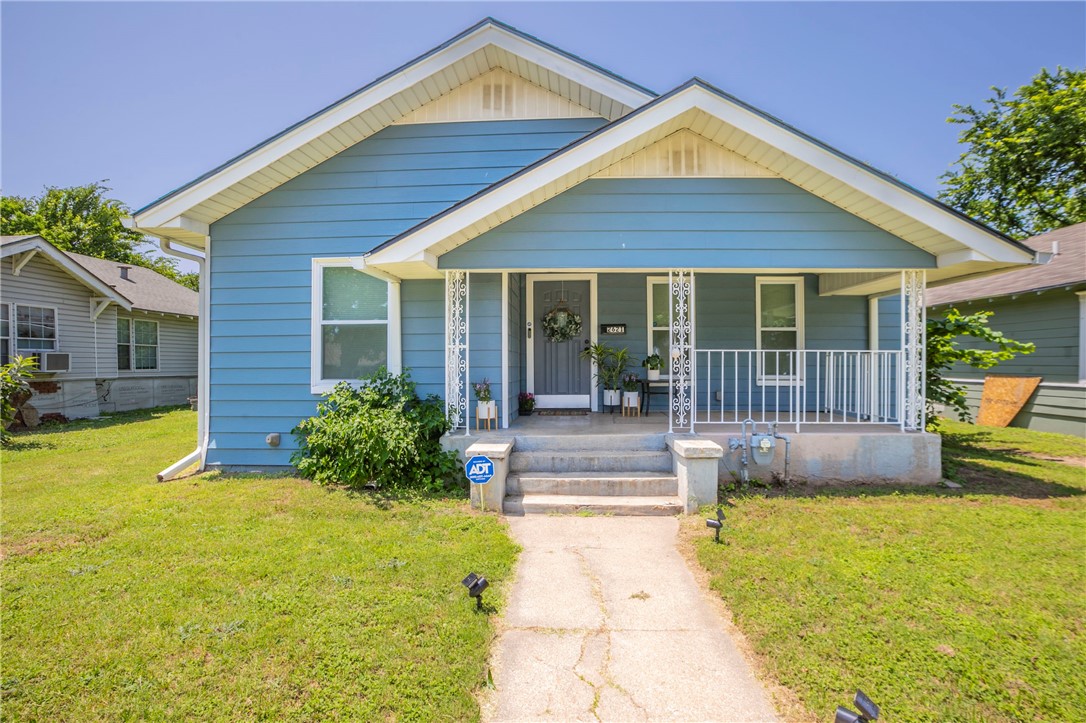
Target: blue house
[(442, 217)]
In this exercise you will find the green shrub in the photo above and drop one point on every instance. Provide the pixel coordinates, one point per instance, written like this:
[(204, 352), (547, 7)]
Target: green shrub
[(14, 383), (379, 433)]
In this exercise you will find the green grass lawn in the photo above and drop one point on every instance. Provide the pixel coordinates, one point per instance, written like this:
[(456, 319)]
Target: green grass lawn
[(940, 604), (218, 597)]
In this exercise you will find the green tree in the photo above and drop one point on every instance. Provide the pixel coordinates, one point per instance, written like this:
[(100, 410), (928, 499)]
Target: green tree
[(82, 219), (944, 352), (1023, 171)]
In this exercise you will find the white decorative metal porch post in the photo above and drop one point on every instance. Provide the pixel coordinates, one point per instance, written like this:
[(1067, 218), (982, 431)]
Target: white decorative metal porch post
[(914, 336), (456, 349), (681, 338)]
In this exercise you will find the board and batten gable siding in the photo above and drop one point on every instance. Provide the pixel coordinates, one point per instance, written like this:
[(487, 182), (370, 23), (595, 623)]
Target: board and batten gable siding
[(735, 223), (261, 265), (177, 345), (43, 283), (1050, 320)]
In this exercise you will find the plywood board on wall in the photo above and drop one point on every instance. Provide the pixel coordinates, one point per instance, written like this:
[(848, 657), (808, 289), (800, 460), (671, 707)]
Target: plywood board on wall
[(1003, 397)]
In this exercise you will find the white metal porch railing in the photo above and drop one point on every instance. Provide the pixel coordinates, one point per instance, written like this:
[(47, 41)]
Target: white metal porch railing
[(797, 386)]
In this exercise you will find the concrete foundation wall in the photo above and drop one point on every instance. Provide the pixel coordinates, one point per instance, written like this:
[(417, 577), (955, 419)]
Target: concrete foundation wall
[(829, 458), (82, 398)]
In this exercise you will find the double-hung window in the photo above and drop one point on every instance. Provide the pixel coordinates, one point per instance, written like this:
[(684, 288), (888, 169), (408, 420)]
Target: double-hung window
[(35, 328), (779, 302), (137, 344), (659, 321), (355, 324), (5, 334)]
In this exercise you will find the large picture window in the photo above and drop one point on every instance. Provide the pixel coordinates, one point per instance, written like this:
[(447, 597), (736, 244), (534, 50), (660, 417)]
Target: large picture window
[(354, 316), (779, 310), (35, 328), (137, 344)]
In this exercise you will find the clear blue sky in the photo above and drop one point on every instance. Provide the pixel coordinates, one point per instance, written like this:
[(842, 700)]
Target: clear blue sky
[(150, 95)]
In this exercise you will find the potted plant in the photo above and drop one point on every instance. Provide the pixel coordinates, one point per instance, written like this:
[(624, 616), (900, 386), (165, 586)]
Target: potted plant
[(486, 407), (631, 390), (610, 364), (653, 363), (526, 403)]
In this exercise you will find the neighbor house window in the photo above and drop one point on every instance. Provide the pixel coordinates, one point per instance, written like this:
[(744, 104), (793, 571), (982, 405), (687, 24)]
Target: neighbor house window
[(779, 303), (137, 344), (659, 321), (353, 335), (5, 334), (35, 328)]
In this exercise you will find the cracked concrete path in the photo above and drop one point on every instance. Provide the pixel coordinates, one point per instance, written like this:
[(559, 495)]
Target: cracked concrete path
[(606, 622)]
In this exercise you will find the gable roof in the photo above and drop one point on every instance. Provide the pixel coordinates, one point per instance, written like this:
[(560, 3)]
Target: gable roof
[(143, 290), (961, 245), (1067, 268), (11, 246), (185, 214), (146, 288)]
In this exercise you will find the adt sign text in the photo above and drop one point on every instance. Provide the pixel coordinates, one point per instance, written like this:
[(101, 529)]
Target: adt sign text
[(479, 470)]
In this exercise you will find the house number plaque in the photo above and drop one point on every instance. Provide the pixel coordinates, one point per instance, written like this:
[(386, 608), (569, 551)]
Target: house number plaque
[(613, 329)]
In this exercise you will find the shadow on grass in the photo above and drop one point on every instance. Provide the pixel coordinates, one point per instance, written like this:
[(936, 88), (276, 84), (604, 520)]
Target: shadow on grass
[(26, 436)]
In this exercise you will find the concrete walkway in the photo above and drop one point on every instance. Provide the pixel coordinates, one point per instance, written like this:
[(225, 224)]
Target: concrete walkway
[(605, 622)]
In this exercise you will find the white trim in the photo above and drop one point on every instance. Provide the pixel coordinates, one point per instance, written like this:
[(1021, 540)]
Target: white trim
[(650, 328), (1047, 385), (570, 167), (402, 81), (873, 323), (505, 350), (798, 283), (393, 348), (67, 263), (15, 348), (569, 400), (17, 264)]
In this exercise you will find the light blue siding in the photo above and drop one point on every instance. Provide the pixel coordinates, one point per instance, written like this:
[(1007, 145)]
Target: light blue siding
[(485, 337), (686, 222), (261, 267)]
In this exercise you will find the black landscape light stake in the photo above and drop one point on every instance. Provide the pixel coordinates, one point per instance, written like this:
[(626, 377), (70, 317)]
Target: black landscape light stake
[(868, 711), (716, 524), (475, 585)]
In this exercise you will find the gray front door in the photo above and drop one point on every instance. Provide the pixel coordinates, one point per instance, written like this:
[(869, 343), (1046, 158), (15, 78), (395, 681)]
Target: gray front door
[(561, 378)]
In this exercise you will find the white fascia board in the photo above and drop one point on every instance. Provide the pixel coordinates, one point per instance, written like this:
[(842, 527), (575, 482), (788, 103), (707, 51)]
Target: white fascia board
[(74, 269), (422, 241), (175, 206), (868, 183)]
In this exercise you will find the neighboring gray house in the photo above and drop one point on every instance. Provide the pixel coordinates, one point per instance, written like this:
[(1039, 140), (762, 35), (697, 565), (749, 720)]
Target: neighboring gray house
[(110, 336), (1045, 305)]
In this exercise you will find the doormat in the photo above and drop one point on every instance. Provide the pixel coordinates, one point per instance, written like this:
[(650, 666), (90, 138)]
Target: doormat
[(561, 412)]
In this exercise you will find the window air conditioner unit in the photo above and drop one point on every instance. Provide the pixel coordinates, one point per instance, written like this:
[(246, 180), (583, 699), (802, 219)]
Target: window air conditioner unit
[(56, 361)]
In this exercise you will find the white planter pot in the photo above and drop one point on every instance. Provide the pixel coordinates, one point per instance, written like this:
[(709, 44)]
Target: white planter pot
[(654, 375), (610, 397), (486, 410), (630, 398)]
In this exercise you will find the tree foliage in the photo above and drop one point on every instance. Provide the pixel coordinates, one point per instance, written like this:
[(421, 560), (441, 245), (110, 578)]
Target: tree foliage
[(1024, 168), (944, 352), (81, 219)]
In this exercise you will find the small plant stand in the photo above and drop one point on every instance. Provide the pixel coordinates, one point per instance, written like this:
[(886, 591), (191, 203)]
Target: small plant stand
[(486, 415), (631, 405)]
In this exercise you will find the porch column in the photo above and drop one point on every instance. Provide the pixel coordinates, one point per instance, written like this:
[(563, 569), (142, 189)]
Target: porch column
[(681, 338), (456, 349), (914, 336)]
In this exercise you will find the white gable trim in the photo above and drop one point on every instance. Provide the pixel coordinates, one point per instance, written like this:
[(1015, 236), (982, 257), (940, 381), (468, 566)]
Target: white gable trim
[(488, 35), (36, 245), (682, 108)]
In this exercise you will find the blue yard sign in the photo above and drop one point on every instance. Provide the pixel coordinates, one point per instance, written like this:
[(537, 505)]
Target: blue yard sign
[(479, 470)]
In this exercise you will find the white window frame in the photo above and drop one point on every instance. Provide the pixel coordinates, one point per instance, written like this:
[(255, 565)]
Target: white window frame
[(317, 384), (132, 346), (13, 315), (798, 283), (650, 281)]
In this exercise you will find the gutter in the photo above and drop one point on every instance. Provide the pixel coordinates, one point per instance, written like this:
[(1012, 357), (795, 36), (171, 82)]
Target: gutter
[(203, 387)]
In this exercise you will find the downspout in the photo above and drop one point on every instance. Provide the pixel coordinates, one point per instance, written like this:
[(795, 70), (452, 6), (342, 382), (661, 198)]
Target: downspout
[(203, 386)]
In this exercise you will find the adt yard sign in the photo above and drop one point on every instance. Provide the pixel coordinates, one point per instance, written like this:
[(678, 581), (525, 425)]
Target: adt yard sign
[(479, 470)]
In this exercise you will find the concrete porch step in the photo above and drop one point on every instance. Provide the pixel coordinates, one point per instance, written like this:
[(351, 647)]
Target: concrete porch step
[(589, 442), (534, 504), (606, 484), (626, 460)]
